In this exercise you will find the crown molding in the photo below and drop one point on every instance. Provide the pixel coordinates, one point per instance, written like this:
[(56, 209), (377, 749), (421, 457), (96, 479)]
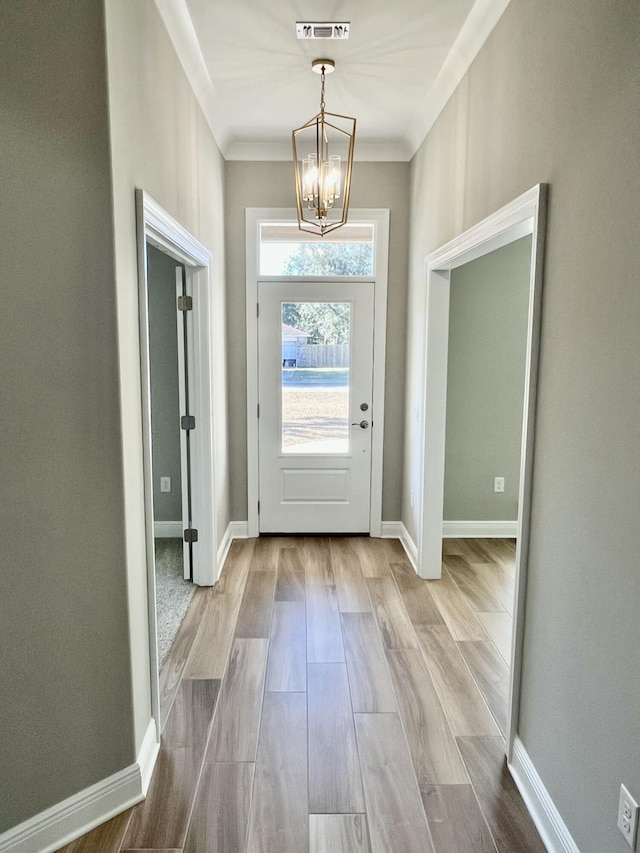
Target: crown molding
[(365, 152), (479, 24), (179, 25)]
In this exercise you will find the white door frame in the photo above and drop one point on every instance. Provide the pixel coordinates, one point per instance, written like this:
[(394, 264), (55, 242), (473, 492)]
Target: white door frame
[(160, 229), (379, 217), (525, 215), (185, 473)]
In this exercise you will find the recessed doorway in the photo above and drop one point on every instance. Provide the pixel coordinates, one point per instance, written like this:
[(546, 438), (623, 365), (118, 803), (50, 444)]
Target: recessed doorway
[(168, 344), (524, 216), (191, 266)]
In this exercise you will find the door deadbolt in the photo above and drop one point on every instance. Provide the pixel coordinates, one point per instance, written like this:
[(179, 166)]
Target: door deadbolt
[(364, 407)]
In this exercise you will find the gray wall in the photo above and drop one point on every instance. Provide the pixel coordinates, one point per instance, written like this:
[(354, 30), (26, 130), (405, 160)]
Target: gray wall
[(553, 96), (76, 138), (489, 300), (160, 142), (65, 718), (165, 399), (271, 185)]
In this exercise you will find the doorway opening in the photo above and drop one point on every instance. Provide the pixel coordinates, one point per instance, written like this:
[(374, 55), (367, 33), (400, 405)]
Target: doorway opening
[(488, 309), (174, 275), (169, 336), (524, 217)]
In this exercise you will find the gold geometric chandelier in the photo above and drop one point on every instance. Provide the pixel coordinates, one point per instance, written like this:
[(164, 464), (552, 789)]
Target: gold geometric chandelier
[(323, 163)]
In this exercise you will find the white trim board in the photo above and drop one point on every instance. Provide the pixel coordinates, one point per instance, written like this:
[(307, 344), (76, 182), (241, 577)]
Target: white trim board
[(147, 756), (479, 529), (235, 530), (63, 823), (167, 529), (549, 823), (397, 530), (238, 530), (391, 529)]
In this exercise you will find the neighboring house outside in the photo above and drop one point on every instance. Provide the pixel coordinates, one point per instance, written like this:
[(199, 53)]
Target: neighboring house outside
[(293, 343)]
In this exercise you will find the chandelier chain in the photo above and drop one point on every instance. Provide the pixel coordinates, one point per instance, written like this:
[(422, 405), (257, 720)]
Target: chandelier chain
[(322, 91)]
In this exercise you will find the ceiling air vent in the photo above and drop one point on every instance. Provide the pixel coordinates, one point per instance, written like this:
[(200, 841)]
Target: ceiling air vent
[(325, 30)]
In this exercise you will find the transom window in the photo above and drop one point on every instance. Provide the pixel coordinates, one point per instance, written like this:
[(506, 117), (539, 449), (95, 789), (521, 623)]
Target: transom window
[(287, 251)]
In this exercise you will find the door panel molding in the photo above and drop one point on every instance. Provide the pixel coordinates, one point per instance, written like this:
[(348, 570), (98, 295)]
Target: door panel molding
[(379, 217)]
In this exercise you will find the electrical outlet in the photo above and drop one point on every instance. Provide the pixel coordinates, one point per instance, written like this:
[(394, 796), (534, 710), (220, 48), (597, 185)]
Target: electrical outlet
[(165, 484), (628, 817), (498, 484)]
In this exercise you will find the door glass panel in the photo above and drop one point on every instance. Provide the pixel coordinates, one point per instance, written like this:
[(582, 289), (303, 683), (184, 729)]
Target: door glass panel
[(315, 377)]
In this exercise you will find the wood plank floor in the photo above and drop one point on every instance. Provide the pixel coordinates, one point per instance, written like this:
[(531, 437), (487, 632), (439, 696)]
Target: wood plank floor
[(323, 699)]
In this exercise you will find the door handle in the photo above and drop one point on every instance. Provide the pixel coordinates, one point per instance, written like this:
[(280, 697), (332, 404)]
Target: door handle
[(362, 424)]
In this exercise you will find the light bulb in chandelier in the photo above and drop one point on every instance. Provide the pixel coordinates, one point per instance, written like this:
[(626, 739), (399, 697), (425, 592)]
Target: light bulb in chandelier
[(321, 186)]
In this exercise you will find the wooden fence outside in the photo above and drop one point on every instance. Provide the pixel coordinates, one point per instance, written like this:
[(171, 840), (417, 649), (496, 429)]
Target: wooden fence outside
[(322, 355)]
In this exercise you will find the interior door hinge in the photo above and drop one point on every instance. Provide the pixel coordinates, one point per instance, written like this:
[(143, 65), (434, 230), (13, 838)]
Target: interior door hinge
[(258, 507), (191, 534), (257, 309), (185, 303), (258, 409), (188, 422)]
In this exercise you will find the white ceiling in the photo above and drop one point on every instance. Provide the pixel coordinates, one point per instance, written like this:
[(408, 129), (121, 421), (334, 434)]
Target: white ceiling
[(395, 73)]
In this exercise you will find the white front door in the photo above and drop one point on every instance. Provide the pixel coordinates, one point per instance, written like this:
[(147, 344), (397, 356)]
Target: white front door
[(315, 415)]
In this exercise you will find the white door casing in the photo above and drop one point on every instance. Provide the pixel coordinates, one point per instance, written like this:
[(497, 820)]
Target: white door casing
[(315, 472), (187, 552)]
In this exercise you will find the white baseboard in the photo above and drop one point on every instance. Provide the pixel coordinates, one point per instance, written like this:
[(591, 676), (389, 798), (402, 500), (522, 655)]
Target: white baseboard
[(235, 530), (223, 550), (391, 529), (63, 823), (552, 829), (238, 529), (397, 530), (148, 755), (479, 529), (167, 530)]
